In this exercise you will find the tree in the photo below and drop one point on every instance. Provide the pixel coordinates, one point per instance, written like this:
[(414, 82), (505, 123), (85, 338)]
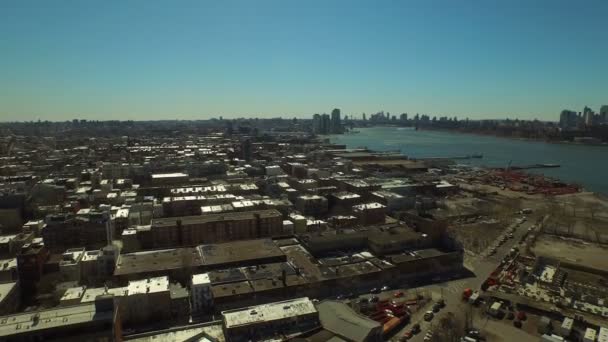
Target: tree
[(450, 328)]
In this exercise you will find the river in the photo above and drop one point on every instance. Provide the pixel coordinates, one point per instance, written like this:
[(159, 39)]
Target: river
[(581, 164)]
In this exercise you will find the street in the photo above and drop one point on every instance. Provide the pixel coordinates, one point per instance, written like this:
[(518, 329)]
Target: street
[(451, 291)]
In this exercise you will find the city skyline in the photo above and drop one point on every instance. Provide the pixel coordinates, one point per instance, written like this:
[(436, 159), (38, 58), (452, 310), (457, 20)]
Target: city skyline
[(198, 60)]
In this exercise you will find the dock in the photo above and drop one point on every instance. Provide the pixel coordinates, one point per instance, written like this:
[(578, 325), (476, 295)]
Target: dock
[(534, 166)]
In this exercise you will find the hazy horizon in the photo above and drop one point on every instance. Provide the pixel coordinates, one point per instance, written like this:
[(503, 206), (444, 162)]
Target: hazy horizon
[(190, 60)]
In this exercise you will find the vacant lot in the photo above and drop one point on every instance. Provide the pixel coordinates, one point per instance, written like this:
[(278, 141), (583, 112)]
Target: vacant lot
[(572, 251)]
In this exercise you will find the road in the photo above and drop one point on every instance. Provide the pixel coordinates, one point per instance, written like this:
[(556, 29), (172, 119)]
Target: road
[(451, 291)]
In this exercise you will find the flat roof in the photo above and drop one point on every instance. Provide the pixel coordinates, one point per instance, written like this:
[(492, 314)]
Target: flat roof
[(268, 312), (7, 238), (50, 319), (201, 278), (228, 275), (602, 335), (156, 260), (414, 255), (5, 289), (205, 332), (231, 289), (198, 219), (93, 292), (7, 264), (169, 175), (235, 251), (345, 195), (73, 293), (368, 206), (150, 285)]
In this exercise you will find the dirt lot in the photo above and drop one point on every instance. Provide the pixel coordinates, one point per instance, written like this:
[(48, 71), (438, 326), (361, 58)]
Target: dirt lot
[(572, 251)]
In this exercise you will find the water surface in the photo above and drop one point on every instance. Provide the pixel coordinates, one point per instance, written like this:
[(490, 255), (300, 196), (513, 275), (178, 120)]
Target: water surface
[(582, 164)]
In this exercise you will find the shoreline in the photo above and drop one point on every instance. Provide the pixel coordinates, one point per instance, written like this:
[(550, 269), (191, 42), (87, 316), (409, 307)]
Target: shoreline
[(561, 142), (590, 184)]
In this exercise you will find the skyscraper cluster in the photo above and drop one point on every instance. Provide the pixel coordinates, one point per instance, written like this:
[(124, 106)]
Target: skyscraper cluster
[(570, 119), (326, 124)]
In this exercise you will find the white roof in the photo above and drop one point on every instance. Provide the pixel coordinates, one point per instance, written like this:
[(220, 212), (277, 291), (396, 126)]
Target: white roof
[(50, 319), (91, 293), (7, 238), (567, 323), (5, 289), (603, 335), (7, 264), (201, 278), (590, 334), (364, 206), (150, 285), (169, 175), (73, 293), (122, 213), (268, 312)]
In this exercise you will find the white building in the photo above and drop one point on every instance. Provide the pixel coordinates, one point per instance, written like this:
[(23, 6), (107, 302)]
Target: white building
[(201, 297), (603, 335), (147, 300), (256, 323), (288, 227), (70, 264), (89, 267), (590, 335), (566, 327)]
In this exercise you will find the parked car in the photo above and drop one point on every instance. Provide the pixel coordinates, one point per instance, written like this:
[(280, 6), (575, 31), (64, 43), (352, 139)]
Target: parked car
[(374, 299), (428, 316), (374, 290), (415, 328), (473, 333)]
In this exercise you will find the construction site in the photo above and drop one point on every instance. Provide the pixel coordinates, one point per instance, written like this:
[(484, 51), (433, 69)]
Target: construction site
[(557, 270)]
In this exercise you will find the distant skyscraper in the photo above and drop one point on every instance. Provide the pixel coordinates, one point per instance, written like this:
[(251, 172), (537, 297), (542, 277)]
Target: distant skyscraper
[(316, 124), (364, 117), (336, 122), (568, 119), (604, 114), (246, 149), (588, 116), (325, 124)]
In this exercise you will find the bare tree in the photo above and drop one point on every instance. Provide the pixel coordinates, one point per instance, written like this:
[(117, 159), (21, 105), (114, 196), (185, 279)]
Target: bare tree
[(449, 329), (593, 208)]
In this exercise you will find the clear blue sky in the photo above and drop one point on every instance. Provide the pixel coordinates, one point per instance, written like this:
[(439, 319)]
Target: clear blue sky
[(198, 59)]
